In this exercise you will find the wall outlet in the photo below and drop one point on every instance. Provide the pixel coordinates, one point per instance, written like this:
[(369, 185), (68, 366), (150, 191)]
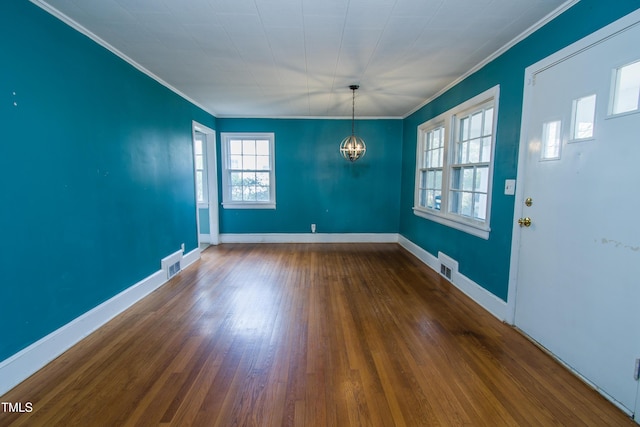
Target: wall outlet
[(182, 247), (313, 228)]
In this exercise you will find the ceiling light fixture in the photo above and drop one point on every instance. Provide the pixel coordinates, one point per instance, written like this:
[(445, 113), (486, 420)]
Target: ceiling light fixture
[(353, 147)]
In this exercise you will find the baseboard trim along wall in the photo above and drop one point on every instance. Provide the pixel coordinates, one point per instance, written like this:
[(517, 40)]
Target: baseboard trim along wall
[(26, 362), (477, 293), (310, 238)]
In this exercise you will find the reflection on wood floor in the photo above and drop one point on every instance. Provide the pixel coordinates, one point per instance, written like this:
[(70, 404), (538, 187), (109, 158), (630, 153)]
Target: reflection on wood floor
[(307, 335)]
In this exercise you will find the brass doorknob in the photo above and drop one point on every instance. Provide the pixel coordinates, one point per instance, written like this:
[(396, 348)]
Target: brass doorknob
[(524, 222)]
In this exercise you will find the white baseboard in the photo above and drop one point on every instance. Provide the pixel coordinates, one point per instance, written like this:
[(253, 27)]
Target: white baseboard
[(310, 238), (190, 258), (477, 293), (26, 362)]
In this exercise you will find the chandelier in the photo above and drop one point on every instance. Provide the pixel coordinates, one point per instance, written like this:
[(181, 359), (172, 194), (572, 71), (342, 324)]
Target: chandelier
[(353, 147)]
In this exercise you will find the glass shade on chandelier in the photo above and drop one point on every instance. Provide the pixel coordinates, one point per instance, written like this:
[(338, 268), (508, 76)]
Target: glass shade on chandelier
[(353, 147)]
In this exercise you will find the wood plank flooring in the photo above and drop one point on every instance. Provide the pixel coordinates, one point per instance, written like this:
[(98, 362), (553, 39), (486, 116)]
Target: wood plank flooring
[(307, 335)]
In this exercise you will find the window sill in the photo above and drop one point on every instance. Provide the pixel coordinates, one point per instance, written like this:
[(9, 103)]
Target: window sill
[(245, 205), (477, 230)]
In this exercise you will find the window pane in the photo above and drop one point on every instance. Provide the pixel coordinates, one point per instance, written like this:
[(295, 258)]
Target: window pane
[(199, 162), (466, 205), (437, 200), (487, 129), (249, 147), (462, 203), (584, 112), (480, 206), (551, 140), (627, 90), (262, 163), (248, 179), (236, 178), (262, 147), (249, 194), (197, 146), (248, 162), (422, 198), (467, 179), (474, 151), (438, 183), (235, 146), (485, 155), (464, 129), (455, 178), (423, 179), (235, 162), (482, 179), (437, 138), (236, 193), (262, 194), (463, 152), (433, 158), (262, 178), (476, 125)]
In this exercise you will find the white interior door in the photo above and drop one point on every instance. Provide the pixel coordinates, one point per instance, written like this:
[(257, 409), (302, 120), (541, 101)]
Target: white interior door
[(577, 280)]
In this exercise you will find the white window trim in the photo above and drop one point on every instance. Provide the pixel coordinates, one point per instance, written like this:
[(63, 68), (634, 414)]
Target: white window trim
[(443, 216), (227, 203)]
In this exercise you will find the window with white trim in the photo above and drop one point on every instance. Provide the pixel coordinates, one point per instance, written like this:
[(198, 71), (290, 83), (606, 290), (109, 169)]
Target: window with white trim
[(248, 177), (454, 165)]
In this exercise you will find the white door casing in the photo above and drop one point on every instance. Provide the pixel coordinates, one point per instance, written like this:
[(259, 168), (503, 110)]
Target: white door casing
[(212, 205), (574, 285)]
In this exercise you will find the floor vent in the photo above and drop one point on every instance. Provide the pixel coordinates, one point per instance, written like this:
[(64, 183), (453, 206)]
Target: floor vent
[(448, 266), (171, 264), (173, 270), (445, 271)]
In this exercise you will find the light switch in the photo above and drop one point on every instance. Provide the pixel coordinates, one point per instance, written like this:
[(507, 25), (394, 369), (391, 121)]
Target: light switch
[(510, 187)]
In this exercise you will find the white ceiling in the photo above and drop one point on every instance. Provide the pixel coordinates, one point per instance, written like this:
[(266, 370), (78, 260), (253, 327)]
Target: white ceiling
[(297, 58)]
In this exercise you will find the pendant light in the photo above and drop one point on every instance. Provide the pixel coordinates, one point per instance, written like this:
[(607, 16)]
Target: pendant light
[(353, 147)]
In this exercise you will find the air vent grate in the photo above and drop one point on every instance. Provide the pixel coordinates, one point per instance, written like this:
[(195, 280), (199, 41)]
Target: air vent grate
[(445, 271), (173, 270)]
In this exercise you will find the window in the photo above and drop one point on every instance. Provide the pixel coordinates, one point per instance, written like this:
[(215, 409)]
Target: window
[(551, 140), (584, 110), (454, 165), (249, 178), (430, 173), (199, 158), (626, 93)]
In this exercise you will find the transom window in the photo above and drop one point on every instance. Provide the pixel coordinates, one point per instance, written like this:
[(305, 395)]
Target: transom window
[(248, 178), (454, 165)]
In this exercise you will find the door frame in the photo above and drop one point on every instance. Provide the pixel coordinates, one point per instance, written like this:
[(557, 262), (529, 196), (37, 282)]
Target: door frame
[(530, 74), (211, 166)]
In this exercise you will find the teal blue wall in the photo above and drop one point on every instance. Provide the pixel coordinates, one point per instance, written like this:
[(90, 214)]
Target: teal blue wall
[(205, 226), (96, 174), (486, 262), (96, 170), (314, 184)]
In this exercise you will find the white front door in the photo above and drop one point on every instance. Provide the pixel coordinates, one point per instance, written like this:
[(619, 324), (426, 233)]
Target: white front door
[(577, 247)]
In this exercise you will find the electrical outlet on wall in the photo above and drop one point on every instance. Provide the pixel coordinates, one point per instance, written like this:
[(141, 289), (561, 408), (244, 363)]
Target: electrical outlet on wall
[(313, 228)]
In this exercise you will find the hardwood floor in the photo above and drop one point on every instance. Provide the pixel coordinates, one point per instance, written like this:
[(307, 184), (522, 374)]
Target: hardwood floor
[(307, 335)]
